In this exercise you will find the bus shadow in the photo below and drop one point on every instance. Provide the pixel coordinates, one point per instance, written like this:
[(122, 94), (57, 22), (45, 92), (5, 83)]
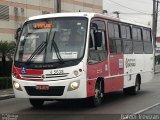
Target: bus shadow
[(80, 106)]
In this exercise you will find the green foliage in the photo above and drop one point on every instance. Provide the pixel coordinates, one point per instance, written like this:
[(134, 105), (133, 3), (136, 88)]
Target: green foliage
[(5, 71), (7, 49), (5, 82)]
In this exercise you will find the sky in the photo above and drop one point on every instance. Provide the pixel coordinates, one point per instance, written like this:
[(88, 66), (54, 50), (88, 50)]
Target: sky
[(134, 10)]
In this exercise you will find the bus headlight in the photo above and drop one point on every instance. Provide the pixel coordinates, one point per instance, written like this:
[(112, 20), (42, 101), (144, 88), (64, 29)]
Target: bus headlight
[(17, 86), (73, 85)]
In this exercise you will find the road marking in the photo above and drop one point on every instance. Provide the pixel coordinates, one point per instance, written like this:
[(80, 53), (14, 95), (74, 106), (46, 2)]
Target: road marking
[(143, 110)]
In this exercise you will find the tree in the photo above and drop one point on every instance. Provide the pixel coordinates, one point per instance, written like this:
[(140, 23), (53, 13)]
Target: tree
[(6, 49)]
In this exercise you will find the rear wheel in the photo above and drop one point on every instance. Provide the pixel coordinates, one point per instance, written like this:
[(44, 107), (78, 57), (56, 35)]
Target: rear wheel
[(96, 100), (36, 102), (134, 89)]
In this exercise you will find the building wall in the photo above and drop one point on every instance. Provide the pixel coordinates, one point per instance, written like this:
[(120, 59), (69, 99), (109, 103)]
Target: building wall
[(14, 12)]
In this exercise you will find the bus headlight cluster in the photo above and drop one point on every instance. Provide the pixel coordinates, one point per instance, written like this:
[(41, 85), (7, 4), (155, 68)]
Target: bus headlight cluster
[(73, 85), (17, 86)]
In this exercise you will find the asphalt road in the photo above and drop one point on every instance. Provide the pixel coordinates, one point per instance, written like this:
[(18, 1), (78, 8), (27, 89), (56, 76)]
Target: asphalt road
[(114, 103)]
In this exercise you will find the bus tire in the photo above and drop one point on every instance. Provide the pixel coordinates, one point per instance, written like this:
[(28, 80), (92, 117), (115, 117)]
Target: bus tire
[(36, 102), (97, 99), (134, 89)]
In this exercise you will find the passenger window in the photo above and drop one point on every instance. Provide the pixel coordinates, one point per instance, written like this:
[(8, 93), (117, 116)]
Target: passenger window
[(137, 40), (115, 42), (126, 38), (134, 33), (116, 31), (123, 31), (128, 33), (147, 41), (111, 30), (139, 34)]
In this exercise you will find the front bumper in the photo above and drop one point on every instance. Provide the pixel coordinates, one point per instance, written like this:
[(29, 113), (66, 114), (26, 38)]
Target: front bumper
[(80, 92)]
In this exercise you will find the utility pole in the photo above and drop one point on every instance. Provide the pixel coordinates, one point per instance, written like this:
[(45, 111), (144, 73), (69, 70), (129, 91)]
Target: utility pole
[(58, 6), (154, 25), (154, 21)]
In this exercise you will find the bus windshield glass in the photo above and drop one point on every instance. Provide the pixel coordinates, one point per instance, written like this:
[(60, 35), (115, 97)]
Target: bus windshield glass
[(47, 40)]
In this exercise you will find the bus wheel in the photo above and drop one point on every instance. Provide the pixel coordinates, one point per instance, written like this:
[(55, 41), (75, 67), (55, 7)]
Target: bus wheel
[(134, 89), (96, 100), (36, 102)]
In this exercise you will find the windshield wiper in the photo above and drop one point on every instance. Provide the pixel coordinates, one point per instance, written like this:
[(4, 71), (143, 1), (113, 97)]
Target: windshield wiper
[(56, 49), (39, 49)]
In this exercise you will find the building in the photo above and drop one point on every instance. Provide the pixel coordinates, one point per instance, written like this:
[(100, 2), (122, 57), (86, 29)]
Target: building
[(14, 12)]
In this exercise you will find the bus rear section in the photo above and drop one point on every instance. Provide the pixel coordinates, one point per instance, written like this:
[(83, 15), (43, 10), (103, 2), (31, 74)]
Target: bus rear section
[(123, 59), (80, 55)]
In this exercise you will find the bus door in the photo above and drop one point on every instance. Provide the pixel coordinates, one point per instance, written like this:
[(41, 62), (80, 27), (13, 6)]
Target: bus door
[(97, 56)]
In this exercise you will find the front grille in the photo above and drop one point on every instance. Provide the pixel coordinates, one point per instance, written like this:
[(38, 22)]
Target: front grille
[(46, 76), (53, 91)]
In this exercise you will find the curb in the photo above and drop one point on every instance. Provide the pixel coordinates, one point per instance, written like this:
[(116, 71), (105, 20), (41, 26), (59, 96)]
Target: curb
[(3, 97)]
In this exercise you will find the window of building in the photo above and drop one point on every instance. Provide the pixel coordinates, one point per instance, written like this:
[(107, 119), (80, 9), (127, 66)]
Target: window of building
[(22, 11), (4, 12)]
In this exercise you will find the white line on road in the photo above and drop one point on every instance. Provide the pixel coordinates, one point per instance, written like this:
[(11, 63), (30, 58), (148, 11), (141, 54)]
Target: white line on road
[(143, 110)]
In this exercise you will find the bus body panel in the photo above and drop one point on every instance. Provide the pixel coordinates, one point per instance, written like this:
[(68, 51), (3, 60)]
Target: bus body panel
[(52, 82)]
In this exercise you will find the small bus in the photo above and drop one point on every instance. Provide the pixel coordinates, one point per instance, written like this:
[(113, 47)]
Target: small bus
[(80, 55)]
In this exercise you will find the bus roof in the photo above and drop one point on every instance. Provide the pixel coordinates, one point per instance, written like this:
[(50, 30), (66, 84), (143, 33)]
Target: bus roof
[(85, 14)]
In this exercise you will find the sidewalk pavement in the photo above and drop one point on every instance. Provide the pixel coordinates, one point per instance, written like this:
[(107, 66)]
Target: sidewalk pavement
[(6, 94)]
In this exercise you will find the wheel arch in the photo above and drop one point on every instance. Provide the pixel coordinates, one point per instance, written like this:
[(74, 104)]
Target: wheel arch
[(139, 78)]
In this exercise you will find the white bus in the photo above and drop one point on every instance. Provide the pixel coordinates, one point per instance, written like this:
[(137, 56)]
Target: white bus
[(80, 55)]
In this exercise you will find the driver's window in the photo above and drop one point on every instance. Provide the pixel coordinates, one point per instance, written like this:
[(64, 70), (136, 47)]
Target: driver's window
[(97, 42)]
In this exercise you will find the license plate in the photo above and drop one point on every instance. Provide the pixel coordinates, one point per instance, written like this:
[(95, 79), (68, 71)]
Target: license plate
[(42, 87)]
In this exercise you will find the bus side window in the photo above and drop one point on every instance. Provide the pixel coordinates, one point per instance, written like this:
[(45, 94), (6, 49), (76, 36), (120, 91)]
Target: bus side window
[(126, 38), (147, 41), (137, 40), (115, 43)]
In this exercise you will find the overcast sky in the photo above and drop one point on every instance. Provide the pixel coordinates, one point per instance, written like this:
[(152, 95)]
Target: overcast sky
[(135, 10)]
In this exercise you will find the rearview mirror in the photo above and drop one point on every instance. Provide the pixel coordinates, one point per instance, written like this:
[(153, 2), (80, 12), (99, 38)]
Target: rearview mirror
[(98, 39), (17, 33)]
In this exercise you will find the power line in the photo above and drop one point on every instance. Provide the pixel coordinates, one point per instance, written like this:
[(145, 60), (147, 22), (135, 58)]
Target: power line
[(135, 13), (127, 7)]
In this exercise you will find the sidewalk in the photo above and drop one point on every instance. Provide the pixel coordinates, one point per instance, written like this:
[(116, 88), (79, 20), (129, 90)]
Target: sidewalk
[(6, 94)]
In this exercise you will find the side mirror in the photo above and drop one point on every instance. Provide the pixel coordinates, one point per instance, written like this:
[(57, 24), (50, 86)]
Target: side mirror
[(98, 39), (17, 34)]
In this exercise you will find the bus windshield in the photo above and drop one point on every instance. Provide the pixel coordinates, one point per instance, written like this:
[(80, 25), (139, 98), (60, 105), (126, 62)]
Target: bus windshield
[(47, 40)]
